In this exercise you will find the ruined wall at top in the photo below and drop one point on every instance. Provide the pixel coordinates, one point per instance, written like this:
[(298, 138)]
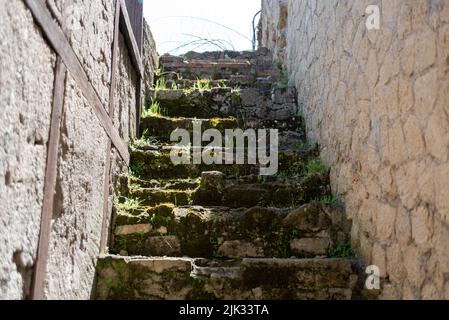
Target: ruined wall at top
[(377, 101), (27, 74)]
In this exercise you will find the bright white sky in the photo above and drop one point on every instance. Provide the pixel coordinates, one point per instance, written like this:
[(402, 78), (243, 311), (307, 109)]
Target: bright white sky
[(173, 26)]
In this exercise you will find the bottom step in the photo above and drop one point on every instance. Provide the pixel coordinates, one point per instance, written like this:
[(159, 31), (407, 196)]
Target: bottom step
[(142, 278)]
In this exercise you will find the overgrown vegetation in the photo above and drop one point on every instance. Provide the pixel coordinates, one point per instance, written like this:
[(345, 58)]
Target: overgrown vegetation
[(327, 200), (203, 85), (127, 204), (283, 82), (341, 250), (315, 166), (154, 108), (161, 84)]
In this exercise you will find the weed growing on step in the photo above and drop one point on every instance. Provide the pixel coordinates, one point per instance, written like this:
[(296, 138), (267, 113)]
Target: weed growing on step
[(295, 170), (341, 250), (236, 97), (203, 85), (305, 145), (161, 84), (315, 166), (127, 204), (154, 109), (143, 141), (283, 82), (221, 84), (326, 200), (137, 170)]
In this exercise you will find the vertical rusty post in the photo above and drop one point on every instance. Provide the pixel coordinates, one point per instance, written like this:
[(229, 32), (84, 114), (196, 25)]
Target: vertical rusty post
[(38, 285), (140, 81), (112, 92)]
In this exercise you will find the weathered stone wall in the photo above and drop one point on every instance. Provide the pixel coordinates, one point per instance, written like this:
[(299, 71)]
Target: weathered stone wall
[(27, 65), (274, 27), (377, 101), (26, 94)]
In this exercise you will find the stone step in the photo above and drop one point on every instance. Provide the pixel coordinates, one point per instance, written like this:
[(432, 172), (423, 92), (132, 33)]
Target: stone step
[(227, 54), (216, 232), (234, 81), (247, 104), (173, 184), (214, 189), (154, 162), (158, 129), (214, 69), (219, 65), (162, 127), (143, 278)]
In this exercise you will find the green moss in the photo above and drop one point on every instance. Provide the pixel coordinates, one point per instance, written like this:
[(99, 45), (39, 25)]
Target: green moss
[(162, 216), (133, 244), (341, 250)]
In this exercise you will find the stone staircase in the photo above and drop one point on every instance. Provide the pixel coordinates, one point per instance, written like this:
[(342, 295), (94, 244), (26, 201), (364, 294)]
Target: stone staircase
[(197, 231)]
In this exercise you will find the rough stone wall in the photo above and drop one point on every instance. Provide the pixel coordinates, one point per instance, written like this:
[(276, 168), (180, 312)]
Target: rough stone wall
[(26, 82), (274, 22), (150, 55), (27, 73), (377, 101)]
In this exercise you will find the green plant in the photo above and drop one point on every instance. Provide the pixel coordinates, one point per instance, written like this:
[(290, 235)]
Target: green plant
[(341, 250), (159, 72), (282, 84), (222, 84), (327, 200), (202, 85), (237, 90), (236, 97), (127, 204), (315, 166), (305, 145), (145, 134), (153, 109), (161, 84), (137, 170), (143, 141)]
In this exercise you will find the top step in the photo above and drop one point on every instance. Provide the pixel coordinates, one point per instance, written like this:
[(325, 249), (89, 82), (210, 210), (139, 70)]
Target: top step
[(228, 65)]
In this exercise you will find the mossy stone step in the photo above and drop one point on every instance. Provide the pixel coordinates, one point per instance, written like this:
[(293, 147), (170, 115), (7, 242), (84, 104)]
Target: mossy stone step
[(234, 81), (217, 190), (247, 104), (143, 278), (170, 184), (195, 231), (162, 127), (156, 163), (195, 103)]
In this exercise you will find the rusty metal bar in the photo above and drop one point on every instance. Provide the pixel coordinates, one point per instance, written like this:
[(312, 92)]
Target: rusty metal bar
[(38, 286), (112, 92)]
